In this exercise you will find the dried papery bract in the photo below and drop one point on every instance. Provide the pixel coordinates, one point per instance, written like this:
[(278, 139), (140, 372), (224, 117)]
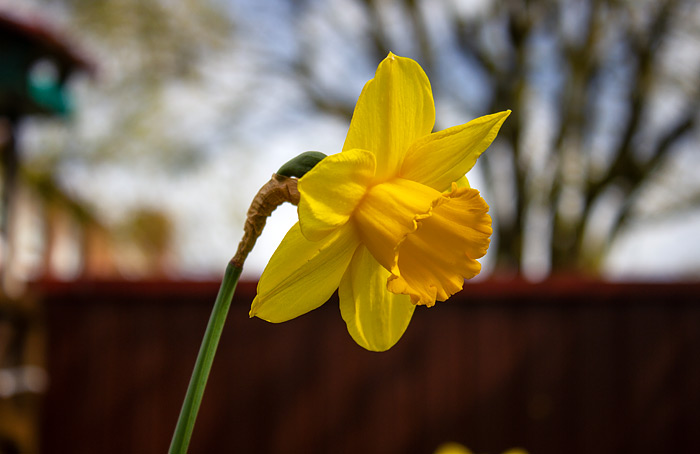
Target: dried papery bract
[(274, 193)]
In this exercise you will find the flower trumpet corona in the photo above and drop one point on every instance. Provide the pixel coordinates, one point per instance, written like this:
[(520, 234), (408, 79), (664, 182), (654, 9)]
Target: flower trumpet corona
[(391, 221)]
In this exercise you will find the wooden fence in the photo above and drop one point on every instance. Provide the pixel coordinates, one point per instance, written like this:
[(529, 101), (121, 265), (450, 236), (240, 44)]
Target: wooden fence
[(565, 366)]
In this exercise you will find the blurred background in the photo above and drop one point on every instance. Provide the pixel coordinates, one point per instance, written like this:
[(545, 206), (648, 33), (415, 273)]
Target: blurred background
[(135, 134)]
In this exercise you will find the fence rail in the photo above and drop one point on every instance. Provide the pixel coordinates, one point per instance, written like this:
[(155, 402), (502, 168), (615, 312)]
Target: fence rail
[(563, 366)]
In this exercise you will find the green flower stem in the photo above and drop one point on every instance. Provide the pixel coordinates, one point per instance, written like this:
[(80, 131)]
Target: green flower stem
[(275, 192), (195, 390)]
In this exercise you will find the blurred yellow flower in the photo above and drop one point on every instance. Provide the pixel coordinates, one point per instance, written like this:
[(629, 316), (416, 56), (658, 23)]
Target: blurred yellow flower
[(391, 221), (452, 448), (456, 448)]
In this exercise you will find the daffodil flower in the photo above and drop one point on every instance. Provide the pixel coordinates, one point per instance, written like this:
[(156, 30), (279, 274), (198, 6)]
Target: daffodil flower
[(391, 221)]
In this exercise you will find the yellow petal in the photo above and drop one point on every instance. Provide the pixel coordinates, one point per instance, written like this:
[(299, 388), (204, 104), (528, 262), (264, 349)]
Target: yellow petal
[(444, 156), (302, 275), (388, 213), (433, 261), (376, 318), (463, 182), (394, 109), (428, 240), (331, 190)]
